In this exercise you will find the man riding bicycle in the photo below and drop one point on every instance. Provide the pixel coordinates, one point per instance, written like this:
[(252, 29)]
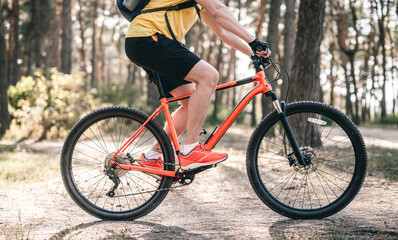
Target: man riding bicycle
[(153, 42)]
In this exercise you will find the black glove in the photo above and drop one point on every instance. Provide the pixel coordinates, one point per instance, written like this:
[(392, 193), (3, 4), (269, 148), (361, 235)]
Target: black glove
[(258, 46)]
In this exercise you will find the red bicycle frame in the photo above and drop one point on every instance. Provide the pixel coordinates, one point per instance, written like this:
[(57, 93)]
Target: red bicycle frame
[(262, 87)]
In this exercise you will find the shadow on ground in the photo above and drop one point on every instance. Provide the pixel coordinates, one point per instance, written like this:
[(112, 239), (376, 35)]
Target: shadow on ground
[(339, 228), (127, 230)]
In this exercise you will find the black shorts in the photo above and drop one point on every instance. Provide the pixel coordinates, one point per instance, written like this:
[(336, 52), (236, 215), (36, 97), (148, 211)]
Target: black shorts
[(167, 57)]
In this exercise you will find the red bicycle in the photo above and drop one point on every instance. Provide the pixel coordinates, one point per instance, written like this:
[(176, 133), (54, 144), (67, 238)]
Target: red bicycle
[(304, 159)]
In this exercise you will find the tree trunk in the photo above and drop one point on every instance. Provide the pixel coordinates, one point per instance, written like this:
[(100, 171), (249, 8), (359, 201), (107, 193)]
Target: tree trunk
[(259, 30), (354, 83), (230, 74), (82, 49), (393, 69), (332, 77), (288, 41), (273, 35), (218, 95), (364, 75), (348, 103), (306, 68), (289, 34), (54, 38), (261, 18), (305, 73), (375, 51), (234, 92), (101, 55), (66, 50), (4, 115), (274, 20), (36, 22), (350, 52), (13, 44), (94, 45), (382, 43)]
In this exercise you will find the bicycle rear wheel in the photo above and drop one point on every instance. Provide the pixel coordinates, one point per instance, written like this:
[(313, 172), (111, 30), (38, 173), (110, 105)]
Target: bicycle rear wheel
[(320, 189), (87, 152)]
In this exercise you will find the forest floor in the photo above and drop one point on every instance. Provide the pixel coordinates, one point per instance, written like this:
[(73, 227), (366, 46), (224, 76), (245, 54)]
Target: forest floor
[(220, 204)]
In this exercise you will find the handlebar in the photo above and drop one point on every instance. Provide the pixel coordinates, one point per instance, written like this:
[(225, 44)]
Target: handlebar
[(260, 63)]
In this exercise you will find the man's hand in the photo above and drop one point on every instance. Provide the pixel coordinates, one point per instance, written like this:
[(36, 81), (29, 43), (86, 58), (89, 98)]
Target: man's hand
[(260, 48)]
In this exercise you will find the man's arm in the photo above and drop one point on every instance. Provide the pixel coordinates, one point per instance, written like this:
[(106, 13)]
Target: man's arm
[(222, 16), (226, 36), (224, 23)]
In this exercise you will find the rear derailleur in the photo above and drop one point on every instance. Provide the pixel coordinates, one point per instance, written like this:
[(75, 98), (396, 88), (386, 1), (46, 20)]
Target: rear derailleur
[(110, 172)]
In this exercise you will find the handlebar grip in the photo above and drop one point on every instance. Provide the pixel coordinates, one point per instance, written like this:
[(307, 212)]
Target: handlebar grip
[(259, 48)]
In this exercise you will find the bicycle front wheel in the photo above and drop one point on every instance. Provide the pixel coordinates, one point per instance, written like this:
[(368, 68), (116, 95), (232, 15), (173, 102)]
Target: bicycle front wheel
[(325, 186), (86, 155)]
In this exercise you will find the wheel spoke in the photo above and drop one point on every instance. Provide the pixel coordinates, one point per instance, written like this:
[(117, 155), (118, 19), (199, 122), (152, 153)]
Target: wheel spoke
[(102, 151), (102, 137), (131, 190), (110, 132), (99, 195), (100, 145), (313, 189)]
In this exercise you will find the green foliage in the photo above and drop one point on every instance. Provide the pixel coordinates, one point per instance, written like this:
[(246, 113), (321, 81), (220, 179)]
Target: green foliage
[(47, 107), (391, 119), (383, 160), (117, 94)]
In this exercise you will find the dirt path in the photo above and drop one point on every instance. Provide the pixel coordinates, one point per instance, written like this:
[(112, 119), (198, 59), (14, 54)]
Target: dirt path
[(220, 204)]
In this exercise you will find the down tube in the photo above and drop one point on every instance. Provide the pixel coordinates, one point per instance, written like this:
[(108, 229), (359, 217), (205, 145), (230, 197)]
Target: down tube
[(231, 118)]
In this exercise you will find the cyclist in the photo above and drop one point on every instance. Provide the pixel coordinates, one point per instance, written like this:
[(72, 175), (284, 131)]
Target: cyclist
[(153, 42)]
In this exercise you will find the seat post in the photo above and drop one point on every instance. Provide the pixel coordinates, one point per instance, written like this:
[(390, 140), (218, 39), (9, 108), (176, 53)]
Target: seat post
[(160, 87)]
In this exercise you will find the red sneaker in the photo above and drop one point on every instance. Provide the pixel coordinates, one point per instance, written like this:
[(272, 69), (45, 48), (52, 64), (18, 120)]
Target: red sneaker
[(200, 157), (152, 163)]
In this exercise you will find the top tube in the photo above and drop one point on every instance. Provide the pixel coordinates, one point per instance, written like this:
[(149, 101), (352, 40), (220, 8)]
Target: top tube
[(220, 87)]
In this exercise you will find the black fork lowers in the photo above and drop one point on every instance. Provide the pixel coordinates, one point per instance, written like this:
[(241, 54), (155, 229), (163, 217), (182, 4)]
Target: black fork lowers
[(281, 109)]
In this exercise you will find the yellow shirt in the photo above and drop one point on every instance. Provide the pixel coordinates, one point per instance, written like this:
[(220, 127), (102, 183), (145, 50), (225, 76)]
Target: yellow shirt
[(147, 24)]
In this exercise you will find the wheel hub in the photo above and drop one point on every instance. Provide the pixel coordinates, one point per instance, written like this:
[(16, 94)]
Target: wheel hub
[(309, 153), (121, 158)]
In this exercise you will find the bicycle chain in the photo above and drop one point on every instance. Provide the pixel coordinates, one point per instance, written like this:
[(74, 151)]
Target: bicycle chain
[(131, 160), (157, 190)]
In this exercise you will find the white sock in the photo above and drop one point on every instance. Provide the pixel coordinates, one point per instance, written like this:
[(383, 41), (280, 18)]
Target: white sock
[(188, 148), (151, 155)]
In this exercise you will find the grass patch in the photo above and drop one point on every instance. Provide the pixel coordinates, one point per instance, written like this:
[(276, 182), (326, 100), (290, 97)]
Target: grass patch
[(383, 160), (27, 167), (19, 231), (8, 148)]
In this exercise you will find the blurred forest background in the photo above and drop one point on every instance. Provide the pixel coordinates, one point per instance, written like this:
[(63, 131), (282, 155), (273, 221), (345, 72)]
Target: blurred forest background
[(60, 59)]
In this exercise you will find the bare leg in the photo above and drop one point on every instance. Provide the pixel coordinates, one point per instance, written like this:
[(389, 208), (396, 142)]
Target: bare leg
[(193, 111), (180, 116), (205, 77)]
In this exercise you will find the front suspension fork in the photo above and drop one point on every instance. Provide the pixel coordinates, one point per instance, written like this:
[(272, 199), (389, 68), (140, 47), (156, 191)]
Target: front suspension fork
[(281, 109)]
